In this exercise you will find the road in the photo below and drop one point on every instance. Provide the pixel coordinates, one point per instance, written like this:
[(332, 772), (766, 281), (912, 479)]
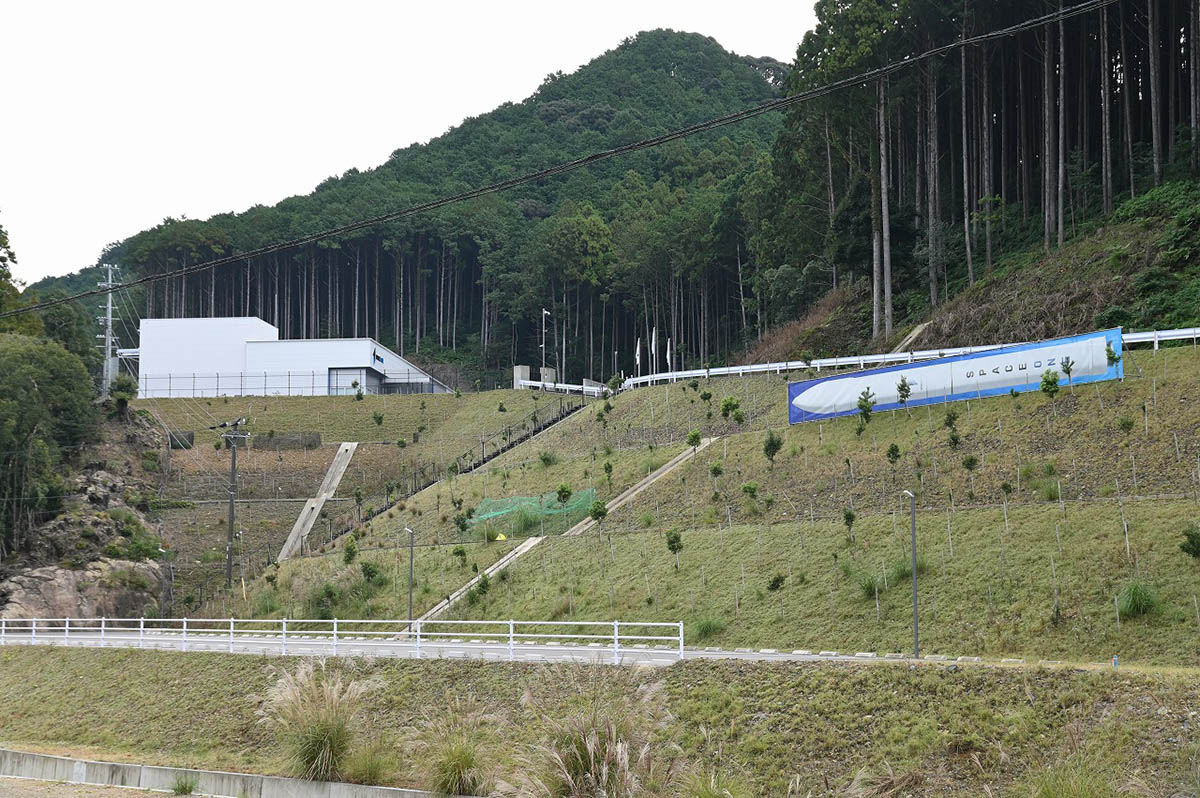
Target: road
[(26, 788), (323, 645)]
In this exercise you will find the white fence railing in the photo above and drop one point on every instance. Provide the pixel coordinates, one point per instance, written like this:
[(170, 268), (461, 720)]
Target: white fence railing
[(564, 387), (326, 382), (863, 361), (325, 636)]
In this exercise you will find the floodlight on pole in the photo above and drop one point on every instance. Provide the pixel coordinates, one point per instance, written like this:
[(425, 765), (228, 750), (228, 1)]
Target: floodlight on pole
[(912, 504), (545, 313)]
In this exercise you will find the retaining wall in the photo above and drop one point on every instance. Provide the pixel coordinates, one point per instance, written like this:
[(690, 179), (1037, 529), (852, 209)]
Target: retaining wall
[(44, 767)]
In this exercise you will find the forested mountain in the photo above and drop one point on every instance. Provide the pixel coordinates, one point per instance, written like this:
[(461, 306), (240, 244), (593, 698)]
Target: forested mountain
[(910, 187), (608, 250)]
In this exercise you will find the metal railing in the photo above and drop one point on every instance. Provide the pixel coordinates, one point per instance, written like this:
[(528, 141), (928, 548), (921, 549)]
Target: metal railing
[(323, 382), (862, 361), (564, 387), (316, 636)]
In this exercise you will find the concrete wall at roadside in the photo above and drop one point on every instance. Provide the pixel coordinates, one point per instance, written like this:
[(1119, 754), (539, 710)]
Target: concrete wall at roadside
[(45, 767)]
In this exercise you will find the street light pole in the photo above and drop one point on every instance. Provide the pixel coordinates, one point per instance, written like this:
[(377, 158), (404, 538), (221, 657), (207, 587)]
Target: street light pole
[(912, 505), (411, 539)]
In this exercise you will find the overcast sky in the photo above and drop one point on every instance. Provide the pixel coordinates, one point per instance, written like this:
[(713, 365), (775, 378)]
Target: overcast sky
[(118, 114)]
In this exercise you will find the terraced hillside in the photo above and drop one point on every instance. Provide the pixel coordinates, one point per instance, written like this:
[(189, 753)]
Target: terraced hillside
[(405, 441), (767, 557)]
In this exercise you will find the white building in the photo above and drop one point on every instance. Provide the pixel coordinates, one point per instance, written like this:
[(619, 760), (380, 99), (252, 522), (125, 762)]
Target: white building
[(245, 357)]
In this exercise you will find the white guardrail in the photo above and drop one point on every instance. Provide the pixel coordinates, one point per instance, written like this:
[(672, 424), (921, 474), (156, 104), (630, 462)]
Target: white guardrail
[(234, 634), (863, 361)]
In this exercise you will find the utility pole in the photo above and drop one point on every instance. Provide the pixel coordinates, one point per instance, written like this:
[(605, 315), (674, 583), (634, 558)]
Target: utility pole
[(231, 438), (108, 369)]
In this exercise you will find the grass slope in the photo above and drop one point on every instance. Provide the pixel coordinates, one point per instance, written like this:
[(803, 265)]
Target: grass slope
[(762, 726), (1088, 464)]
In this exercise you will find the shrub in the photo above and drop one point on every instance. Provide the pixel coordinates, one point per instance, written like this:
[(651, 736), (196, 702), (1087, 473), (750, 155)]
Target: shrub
[(370, 571), (902, 570), (1137, 598), (548, 459), (1125, 424), (1191, 541), (776, 582), (750, 489), (350, 550), (772, 445), (314, 712), (377, 417), (716, 470)]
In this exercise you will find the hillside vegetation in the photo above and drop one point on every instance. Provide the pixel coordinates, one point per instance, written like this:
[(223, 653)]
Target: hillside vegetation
[(758, 729), (768, 559)]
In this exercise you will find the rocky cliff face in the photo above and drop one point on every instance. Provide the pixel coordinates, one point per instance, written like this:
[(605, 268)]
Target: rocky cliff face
[(103, 588)]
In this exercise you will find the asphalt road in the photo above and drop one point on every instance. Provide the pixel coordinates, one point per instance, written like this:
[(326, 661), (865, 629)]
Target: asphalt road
[(465, 648)]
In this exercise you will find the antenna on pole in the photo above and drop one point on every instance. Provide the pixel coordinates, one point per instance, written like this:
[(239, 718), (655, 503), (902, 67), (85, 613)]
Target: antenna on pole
[(109, 367)]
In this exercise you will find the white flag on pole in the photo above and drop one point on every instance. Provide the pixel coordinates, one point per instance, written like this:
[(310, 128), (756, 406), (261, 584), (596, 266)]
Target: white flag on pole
[(637, 355), (669, 354), (654, 349)]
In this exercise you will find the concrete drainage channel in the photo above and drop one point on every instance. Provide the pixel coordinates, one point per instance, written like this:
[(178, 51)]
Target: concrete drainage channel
[(43, 767)]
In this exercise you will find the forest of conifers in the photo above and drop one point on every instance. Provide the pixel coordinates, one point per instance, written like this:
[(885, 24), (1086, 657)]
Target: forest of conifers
[(916, 183)]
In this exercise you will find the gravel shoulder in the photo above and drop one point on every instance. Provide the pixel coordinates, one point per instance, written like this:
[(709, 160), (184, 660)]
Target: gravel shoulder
[(24, 788)]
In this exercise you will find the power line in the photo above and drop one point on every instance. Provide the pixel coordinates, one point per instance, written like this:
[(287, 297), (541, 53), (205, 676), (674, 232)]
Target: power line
[(700, 127)]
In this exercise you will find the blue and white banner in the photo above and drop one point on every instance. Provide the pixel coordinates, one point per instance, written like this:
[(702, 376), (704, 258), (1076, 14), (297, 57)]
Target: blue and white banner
[(990, 373)]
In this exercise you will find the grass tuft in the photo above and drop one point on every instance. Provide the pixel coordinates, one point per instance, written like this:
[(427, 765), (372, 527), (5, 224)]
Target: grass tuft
[(1137, 598), (314, 713)]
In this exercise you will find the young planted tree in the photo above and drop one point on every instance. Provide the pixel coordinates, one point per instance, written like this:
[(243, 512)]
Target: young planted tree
[(1049, 387), (563, 494), (971, 462), (866, 405), (903, 392), (893, 457), (1066, 365), (848, 518), (772, 445), (693, 439), (675, 544), (608, 468), (597, 512)]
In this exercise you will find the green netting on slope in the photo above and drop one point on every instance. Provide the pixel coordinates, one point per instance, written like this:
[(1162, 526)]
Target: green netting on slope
[(522, 513)]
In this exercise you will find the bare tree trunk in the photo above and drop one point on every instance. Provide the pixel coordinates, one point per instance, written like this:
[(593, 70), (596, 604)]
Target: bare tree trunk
[(1023, 138), (1194, 82), (1047, 139), (885, 215), (931, 180), (1062, 124), (1152, 42), (988, 190), (741, 281), (828, 178), (876, 239), (1105, 115), (1126, 83), (966, 177)]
